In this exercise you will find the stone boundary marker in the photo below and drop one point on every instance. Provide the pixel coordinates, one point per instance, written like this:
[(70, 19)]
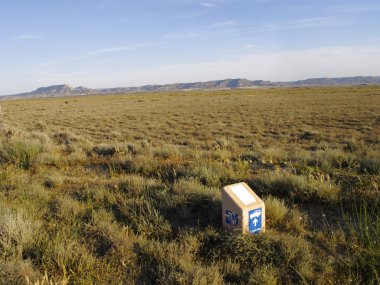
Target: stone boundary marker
[(242, 210)]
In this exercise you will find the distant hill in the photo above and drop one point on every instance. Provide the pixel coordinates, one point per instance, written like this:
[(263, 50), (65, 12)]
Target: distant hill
[(66, 90), (54, 91), (61, 89), (358, 80)]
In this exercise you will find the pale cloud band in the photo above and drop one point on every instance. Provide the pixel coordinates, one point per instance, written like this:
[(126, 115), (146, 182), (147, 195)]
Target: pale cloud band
[(116, 49), (207, 4), (337, 61), (27, 37), (282, 66)]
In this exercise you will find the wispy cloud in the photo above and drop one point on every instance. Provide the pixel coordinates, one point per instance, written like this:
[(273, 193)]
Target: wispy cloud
[(334, 61), (316, 22), (243, 49), (188, 35), (228, 23), (360, 9), (92, 54), (299, 24), (27, 37), (235, 27), (48, 63), (207, 4), (121, 48), (117, 49)]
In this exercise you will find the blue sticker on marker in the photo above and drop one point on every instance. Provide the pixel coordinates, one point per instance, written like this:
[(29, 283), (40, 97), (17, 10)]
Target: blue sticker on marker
[(255, 221), (232, 218)]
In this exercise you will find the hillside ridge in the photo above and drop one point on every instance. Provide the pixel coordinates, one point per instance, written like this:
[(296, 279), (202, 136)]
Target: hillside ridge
[(66, 90)]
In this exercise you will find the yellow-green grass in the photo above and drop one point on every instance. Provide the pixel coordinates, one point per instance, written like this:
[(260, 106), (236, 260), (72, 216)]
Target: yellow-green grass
[(125, 189)]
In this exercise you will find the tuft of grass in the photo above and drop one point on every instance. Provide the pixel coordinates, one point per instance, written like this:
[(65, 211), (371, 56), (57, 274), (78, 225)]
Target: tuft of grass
[(275, 210), (14, 272), (105, 150), (363, 243), (370, 165), (40, 126), (210, 174), (161, 262), (52, 180), (311, 135), (143, 217), (299, 187), (265, 275), (17, 232), (46, 280), (274, 155), (21, 153), (251, 252)]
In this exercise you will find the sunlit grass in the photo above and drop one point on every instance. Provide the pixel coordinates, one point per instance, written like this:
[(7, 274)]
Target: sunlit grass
[(126, 189)]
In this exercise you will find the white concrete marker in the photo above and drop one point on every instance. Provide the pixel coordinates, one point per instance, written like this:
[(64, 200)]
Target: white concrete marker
[(242, 209)]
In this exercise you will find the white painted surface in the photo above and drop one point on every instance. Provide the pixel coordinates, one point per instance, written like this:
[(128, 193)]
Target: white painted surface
[(242, 193)]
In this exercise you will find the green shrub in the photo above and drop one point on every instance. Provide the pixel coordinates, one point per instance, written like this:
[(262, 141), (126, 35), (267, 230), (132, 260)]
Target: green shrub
[(40, 126), (363, 244), (161, 263), (298, 187), (23, 154), (5, 181), (16, 272), (66, 138), (132, 185), (274, 155), (45, 280), (105, 150), (330, 159), (370, 166), (190, 187), (210, 174), (17, 231), (52, 180), (265, 275), (143, 218), (275, 210), (282, 251), (64, 255), (311, 135)]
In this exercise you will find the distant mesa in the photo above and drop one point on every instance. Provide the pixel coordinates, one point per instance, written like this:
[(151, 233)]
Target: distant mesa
[(66, 90), (61, 89)]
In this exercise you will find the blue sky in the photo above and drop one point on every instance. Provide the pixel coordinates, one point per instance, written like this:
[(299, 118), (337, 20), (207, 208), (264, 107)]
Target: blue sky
[(109, 43)]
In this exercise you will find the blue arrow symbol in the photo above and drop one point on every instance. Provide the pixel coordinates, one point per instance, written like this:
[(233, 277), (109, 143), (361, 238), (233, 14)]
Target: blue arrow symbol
[(255, 221)]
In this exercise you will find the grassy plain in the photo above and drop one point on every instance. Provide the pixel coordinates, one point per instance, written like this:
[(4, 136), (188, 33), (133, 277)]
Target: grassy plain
[(125, 189)]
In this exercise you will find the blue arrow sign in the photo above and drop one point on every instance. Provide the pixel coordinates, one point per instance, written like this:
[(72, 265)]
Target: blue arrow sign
[(254, 223)]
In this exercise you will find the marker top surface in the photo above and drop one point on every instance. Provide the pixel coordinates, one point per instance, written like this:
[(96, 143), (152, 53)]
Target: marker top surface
[(243, 194)]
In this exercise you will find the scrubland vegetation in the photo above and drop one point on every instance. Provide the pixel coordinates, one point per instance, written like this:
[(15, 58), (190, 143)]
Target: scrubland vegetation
[(125, 189)]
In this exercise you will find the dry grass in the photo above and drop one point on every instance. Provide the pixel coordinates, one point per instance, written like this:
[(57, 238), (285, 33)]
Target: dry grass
[(126, 189)]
